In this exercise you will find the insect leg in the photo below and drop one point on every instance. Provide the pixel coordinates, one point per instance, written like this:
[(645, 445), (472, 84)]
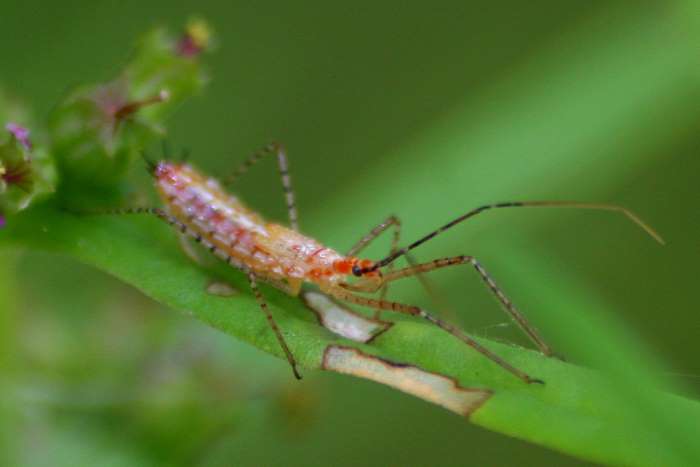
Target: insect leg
[(158, 212), (283, 164), (271, 321), (342, 294), (371, 236), (508, 305), (182, 229), (562, 204), (188, 249), (376, 232)]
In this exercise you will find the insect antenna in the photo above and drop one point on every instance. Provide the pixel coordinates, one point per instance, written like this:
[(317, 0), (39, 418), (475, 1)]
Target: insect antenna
[(358, 271)]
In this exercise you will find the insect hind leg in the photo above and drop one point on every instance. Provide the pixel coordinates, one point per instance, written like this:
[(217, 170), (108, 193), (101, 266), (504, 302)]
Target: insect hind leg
[(343, 294), (182, 229)]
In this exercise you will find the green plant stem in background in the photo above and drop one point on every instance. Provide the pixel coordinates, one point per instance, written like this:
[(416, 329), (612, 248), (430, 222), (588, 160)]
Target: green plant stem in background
[(8, 305), (578, 411)]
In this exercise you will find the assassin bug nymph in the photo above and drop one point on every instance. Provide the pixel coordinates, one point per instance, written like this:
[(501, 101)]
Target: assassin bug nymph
[(200, 208)]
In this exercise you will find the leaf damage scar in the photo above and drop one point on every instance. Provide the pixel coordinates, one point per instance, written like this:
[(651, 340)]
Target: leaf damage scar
[(429, 386), (221, 289), (343, 321)]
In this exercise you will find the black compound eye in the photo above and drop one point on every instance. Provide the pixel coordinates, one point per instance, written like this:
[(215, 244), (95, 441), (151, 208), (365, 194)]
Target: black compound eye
[(356, 270)]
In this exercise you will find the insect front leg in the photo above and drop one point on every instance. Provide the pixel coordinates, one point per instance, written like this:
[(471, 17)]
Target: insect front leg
[(508, 305), (343, 294), (394, 221), (391, 221)]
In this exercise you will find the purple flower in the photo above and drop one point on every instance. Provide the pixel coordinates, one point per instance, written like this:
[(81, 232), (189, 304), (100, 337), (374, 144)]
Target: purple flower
[(2, 221), (21, 134)]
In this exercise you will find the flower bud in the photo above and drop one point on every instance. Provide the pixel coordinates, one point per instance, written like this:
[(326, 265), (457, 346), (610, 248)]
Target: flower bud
[(98, 130)]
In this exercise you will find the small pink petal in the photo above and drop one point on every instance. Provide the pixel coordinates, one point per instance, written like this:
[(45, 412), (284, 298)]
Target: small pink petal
[(20, 133)]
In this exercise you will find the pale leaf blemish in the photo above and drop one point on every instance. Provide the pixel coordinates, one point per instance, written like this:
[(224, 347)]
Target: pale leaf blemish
[(221, 289), (432, 387), (343, 321)]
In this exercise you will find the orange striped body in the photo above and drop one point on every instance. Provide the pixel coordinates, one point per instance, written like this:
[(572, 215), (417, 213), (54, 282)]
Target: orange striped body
[(282, 256)]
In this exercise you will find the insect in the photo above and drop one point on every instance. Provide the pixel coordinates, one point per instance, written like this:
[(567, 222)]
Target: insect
[(200, 207)]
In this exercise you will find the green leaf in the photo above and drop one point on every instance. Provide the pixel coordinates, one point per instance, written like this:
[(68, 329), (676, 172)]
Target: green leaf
[(595, 335), (578, 411)]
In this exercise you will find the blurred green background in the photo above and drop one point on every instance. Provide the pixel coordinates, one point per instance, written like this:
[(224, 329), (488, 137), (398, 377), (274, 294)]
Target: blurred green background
[(423, 111)]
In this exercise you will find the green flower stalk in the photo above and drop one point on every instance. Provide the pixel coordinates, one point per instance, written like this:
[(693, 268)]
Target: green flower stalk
[(99, 129)]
